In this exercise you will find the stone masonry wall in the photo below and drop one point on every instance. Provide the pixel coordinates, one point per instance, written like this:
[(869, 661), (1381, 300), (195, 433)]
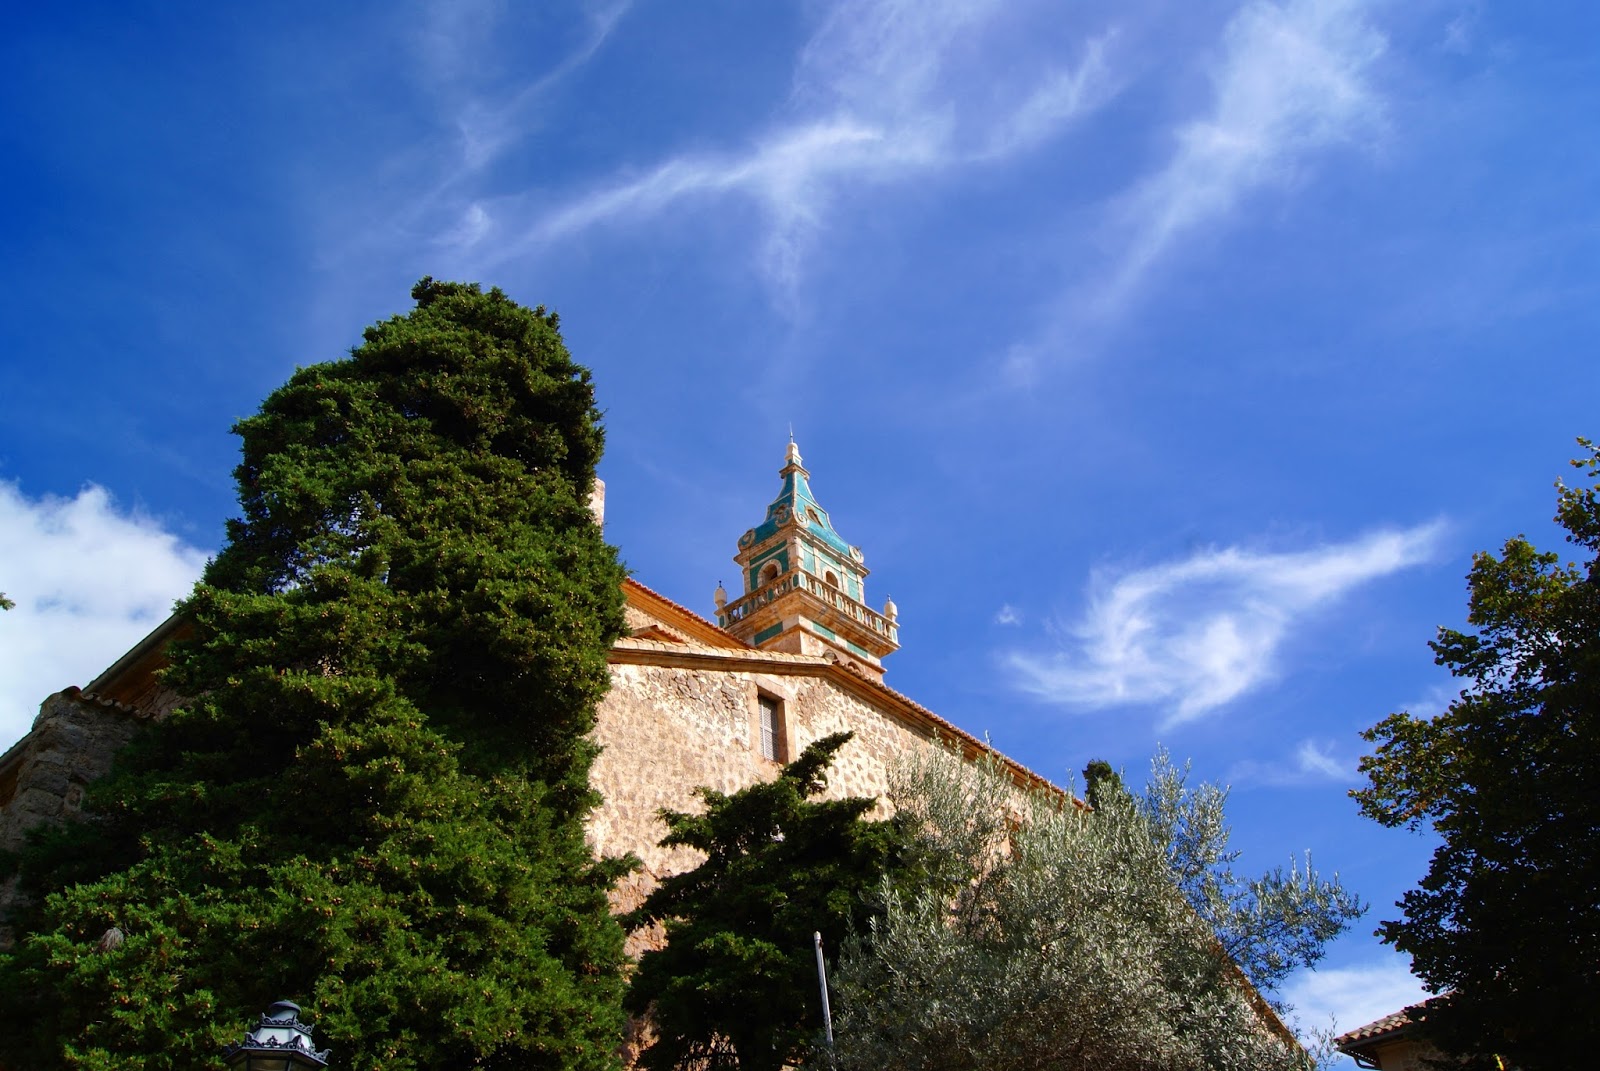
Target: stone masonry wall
[(73, 742), (666, 730)]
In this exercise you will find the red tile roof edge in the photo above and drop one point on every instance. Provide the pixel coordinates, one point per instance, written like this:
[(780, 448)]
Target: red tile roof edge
[(678, 608), (1391, 1024)]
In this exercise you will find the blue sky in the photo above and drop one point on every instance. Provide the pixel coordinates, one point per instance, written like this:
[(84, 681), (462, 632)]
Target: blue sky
[(1168, 361)]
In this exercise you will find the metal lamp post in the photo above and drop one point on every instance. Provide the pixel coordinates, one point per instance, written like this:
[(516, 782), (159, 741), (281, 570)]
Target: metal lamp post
[(280, 1042)]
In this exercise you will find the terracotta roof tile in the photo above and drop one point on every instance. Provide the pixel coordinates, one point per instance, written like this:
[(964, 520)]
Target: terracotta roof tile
[(72, 691), (1378, 1028)]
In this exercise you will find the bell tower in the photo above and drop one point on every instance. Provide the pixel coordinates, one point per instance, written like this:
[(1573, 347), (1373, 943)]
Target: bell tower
[(804, 586)]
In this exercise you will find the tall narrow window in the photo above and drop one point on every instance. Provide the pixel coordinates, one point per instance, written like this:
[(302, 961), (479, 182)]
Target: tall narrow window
[(771, 723)]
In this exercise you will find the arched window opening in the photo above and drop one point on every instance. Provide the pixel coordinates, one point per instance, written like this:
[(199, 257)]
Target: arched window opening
[(832, 580), (769, 573)]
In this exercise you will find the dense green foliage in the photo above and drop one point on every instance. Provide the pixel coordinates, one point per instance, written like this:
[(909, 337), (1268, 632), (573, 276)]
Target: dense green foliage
[(736, 984), (375, 804), (1050, 936), (1507, 919), (1100, 779)]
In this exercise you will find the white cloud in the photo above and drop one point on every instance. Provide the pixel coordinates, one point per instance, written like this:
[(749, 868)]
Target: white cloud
[(1314, 757), (89, 580), (489, 127), (1353, 996), (453, 41), (1056, 101), (1312, 761), (1293, 79), (1460, 34), (1008, 615), (1195, 634), (881, 95), (787, 174), (474, 225), (1434, 701), (885, 56), (474, 61)]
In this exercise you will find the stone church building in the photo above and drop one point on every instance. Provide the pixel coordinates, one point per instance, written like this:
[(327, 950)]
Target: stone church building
[(798, 655)]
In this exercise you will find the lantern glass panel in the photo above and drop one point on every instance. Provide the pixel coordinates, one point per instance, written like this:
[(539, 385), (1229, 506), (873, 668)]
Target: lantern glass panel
[(257, 1060)]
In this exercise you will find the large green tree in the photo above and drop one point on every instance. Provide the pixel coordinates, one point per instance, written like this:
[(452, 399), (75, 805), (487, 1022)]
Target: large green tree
[(1506, 923), (1051, 936), (373, 803), (736, 984)]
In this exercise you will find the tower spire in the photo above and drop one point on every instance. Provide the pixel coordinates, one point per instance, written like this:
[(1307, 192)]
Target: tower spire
[(804, 586)]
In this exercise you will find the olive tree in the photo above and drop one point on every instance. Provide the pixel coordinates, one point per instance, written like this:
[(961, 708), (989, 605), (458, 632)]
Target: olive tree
[(1052, 935)]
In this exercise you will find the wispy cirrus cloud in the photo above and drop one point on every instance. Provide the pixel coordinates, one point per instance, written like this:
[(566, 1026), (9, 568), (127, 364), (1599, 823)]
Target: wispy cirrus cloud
[(1294, 77), (89, 580), (488, 97), (1056, 101), (1311, 762), (1193, 635), (886, 92), (788, 175), (451, 43), (1290, 81), (879, 97)]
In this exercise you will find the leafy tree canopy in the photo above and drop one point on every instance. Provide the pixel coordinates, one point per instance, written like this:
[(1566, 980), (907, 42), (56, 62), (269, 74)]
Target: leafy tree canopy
[(736, 984), (1506, 922), (1050, 936), (374, 805), (1268, 925)]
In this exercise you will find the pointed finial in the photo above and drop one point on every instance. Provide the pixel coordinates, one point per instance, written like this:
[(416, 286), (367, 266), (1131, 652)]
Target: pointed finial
[(720, 595)]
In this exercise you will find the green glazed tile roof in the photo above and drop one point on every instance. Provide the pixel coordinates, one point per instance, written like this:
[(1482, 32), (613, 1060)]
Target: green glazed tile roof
[(795, 500)]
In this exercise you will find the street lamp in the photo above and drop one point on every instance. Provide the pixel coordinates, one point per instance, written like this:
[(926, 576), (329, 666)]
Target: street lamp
[(280, 1042)]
